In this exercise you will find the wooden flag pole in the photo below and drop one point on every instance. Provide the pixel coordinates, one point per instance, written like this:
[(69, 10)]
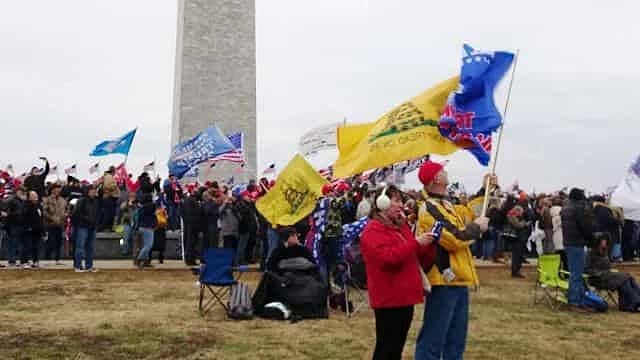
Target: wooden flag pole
[(494, 160)]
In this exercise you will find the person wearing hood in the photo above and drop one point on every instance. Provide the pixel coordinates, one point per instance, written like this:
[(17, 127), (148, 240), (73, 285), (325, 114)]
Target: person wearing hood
[(110, 196), (394, 281), (577, 232), (446, 311), (36, 178)]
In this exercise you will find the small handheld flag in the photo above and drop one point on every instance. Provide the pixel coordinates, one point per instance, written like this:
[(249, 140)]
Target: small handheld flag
[(270, 169), (71, 170), (149, 167), (94, 168)]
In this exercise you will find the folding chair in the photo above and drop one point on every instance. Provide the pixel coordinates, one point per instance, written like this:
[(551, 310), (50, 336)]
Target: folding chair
[(216, 277), (354, 292), (554, 288)]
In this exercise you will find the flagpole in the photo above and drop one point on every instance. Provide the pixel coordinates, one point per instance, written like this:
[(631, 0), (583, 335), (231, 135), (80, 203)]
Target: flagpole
[(494, 159)]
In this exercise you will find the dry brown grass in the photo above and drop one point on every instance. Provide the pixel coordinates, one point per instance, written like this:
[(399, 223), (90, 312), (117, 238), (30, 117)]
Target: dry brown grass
[(152, 314)]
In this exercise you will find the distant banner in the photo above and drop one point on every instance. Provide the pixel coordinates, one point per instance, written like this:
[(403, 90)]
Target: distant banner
[(318, 139)]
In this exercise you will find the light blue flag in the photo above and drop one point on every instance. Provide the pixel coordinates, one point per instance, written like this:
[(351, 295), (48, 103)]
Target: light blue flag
[(202, 147), (120, 145)]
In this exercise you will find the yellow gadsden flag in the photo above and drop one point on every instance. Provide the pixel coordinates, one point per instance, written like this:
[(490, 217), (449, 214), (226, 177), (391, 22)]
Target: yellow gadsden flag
[(407, 132), (295, 194)]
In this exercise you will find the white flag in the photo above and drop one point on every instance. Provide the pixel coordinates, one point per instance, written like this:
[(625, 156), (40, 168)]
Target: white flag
[(627, 194)]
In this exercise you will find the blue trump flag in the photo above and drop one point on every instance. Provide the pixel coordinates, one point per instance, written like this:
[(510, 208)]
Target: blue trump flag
[(120, 145), (470, 116), (200, 148)]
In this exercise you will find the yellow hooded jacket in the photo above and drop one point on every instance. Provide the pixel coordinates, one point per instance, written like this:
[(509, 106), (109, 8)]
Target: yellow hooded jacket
[(460, 258)]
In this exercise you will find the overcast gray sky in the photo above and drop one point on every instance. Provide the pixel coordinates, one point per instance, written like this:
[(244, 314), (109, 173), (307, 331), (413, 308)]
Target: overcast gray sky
[(75, 72)]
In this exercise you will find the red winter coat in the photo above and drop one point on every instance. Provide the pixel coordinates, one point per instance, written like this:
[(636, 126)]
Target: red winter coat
[(391, 258)]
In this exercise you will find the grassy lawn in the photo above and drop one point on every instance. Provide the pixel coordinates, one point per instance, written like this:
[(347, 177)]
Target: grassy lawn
[(152, 315)]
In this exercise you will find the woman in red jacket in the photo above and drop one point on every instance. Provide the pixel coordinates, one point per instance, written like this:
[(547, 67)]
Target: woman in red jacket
[(391, 254)]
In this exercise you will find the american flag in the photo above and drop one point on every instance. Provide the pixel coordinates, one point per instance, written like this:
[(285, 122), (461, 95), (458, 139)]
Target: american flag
[(94, 168), (72, 169), (237, 155), (326, 173), (149, 167), (270, 169)]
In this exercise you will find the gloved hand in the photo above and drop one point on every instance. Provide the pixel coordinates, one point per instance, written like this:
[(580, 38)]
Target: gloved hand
[(482, 222)]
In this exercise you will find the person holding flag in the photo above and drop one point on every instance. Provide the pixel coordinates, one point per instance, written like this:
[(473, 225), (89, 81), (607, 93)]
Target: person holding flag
[(36, 178), (446, 314)]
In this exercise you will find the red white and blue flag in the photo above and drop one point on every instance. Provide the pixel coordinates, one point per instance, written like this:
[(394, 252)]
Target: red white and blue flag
[(235, 156), (471, 116)]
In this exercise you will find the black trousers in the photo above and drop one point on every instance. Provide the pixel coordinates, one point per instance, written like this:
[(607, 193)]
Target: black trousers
[(517, 254), (30, 246), (190, 243), (230, 242), (392, 326), (54, 243)]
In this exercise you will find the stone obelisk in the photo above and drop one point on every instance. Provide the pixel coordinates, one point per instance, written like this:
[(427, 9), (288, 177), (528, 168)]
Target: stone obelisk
[(215, 77)]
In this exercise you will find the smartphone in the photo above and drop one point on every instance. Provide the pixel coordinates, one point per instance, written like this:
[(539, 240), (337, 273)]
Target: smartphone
[(436, 230)]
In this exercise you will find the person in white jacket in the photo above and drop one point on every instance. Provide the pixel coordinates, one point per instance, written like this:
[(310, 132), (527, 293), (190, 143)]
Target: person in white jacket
[(556, 219)]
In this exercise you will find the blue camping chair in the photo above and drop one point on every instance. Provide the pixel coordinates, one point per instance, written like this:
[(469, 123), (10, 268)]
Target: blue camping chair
[(216, 276)]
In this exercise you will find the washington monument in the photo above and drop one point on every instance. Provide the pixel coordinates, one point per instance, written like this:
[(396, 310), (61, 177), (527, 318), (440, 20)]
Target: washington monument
[(215, 77)]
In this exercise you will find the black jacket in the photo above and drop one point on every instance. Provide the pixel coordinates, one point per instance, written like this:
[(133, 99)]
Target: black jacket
[(33, 218), (211, 213), (86, 213), (248, 220), (36, 182), (192, 211), (15, 211), (605, 221), (577, 224)]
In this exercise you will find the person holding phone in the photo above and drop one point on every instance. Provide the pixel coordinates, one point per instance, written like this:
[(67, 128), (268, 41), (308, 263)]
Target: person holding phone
[(446, 315), (391, 256)]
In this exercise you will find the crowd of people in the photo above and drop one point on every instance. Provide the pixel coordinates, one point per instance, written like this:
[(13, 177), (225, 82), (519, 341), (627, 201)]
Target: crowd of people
[(399, 232)]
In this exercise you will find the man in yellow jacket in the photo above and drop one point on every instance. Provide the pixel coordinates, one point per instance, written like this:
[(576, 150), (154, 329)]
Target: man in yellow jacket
[(444, 331)]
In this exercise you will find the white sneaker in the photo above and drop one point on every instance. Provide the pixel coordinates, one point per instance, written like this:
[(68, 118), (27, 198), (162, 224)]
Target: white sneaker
[(79, 270), (26, 266), (93, 270)]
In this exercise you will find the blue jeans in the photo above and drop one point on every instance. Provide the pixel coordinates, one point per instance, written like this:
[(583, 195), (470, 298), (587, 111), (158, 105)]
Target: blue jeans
[(147, 243), (15, 239), (575, 257), (444, 331), (85, 241), (242, 246), (127, 239), (172, 212), (273, 240), (488, 244)]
